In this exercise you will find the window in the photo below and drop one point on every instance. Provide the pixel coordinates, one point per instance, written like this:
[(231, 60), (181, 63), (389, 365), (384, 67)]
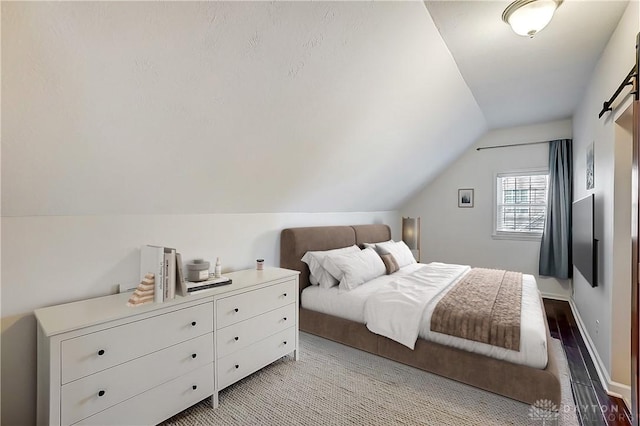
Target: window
[(521, 204)]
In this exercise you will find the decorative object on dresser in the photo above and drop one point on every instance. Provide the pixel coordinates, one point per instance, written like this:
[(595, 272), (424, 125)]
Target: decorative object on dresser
[(144, 293), (218, 268), (100, 362), (198, 270)]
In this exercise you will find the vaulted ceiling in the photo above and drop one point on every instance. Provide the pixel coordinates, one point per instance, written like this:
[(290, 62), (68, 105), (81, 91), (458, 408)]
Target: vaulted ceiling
[(228, 107), (519, 80)]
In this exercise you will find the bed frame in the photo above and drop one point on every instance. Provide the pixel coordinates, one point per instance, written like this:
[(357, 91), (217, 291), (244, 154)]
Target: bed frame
[(519, 382)]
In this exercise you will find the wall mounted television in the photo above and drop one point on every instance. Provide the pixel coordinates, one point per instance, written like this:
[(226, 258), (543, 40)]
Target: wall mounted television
[(584, 245)]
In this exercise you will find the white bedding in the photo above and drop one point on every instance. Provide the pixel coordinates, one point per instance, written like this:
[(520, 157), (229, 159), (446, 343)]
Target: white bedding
[(395, 310), (351, 305)]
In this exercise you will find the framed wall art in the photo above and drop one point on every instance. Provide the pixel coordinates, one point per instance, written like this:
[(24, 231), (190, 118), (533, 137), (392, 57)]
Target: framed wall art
[(590, 167), (465, 197)]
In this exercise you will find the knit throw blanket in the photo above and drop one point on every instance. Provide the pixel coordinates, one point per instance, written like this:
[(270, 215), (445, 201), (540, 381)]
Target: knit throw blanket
[(483, 306)]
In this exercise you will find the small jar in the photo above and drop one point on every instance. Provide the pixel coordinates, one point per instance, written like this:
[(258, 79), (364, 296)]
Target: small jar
[(198, 270), (260, 264), (218, 269)]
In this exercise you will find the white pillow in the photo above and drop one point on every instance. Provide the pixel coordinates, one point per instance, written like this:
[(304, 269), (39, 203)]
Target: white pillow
[(318, 274), (354, 269), (373, 245), (398, 250)]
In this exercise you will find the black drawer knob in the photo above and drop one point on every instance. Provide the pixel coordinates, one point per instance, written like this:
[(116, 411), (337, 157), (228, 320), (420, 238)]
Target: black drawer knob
[(237, 366), (193, 323), (101, 393), (284, 319), (101, 352), (285, 295), (193, 355), (236, 338), (194, 387), (285, 342), (236, 309)]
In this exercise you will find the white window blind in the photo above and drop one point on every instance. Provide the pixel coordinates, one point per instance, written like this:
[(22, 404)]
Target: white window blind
[(521, 203)]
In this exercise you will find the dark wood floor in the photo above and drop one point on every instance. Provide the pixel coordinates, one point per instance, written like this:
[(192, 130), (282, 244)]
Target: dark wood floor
[(593, 404)]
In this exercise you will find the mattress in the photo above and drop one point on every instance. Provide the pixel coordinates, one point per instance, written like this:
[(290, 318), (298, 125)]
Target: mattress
[(350, 305)]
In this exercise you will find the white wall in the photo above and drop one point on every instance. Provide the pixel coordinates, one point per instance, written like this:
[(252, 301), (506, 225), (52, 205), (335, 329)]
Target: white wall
[(55, 259), (196, 125), (604, 311), (464, 235), (225, 107)]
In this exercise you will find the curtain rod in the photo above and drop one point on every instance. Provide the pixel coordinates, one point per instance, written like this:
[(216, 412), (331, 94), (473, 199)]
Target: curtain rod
[(510, 145)]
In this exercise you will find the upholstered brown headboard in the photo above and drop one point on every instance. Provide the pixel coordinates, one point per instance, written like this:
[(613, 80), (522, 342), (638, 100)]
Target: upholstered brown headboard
[(295, 242)]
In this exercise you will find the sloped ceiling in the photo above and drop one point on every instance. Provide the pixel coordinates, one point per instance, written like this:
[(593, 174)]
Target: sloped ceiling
[(155, 107), (519, 80)]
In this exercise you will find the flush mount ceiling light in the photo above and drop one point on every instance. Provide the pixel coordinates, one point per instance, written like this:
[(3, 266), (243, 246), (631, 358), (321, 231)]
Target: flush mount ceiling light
[(528, 17)]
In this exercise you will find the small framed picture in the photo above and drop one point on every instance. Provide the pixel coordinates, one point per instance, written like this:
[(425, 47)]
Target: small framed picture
[(590, 174), (465, 197)]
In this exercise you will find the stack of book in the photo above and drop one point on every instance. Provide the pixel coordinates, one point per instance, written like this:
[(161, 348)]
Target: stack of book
[(166, 266), (210, 283)]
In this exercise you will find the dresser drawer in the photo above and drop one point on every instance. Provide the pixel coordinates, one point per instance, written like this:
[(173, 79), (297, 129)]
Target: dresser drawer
[(98, 351), (245, 333), (159, 403), (89, 395), (239, 364), (233, 309)]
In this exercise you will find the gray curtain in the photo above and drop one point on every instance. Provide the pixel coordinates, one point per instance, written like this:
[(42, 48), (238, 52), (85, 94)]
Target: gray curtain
[(555, 248)]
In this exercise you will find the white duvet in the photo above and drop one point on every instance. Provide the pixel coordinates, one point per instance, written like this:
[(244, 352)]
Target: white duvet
[(395, 309), (399, 306)]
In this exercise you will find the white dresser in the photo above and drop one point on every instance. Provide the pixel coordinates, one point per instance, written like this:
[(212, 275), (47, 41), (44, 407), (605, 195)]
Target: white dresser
[(101, 362)]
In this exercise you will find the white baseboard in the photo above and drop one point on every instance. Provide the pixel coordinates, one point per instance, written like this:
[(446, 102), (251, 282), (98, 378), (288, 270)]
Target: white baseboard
[(616, 389)]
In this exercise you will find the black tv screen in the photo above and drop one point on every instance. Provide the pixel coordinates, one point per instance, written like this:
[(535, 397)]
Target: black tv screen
[(584, 246)]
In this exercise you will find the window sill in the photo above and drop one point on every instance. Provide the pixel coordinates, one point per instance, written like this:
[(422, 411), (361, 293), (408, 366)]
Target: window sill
[(518, 236)]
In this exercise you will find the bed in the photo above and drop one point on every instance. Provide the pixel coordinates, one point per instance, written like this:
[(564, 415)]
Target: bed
[(521, 382)]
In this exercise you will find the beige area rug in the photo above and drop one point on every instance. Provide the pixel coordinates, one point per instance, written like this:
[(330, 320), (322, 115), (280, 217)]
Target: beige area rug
[(333, 384)]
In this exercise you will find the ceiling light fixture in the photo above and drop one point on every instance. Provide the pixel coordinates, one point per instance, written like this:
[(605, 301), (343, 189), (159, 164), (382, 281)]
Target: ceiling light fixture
[(528, 17)]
